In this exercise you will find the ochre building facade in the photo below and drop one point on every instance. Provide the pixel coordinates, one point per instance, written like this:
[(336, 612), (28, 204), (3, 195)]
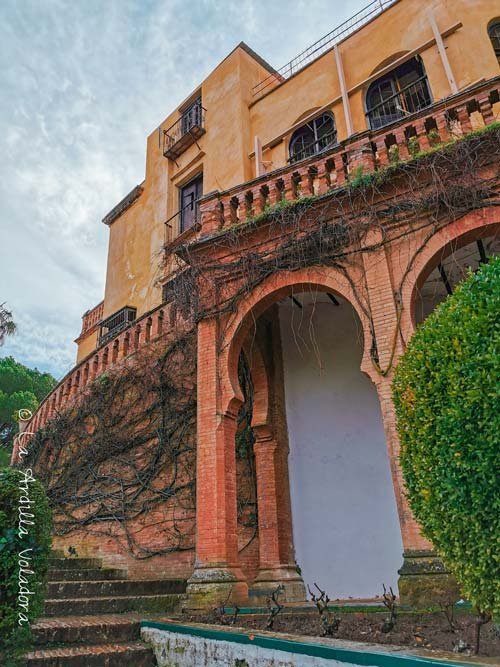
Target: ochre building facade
[(302, 222)]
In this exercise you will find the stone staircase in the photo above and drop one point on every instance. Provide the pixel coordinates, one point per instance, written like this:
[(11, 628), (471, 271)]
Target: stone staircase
[(92, 616)]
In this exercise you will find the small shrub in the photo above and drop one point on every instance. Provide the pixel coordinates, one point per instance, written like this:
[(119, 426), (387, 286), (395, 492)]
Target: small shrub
[(24, 558), (446, 398), (413, 146)]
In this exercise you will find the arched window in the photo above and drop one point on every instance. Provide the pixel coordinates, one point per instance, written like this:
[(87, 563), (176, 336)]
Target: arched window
[(398, 93), (494, 33), (313, 137)]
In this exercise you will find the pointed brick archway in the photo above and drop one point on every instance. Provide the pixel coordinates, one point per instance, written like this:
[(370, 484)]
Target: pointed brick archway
[(220, 342)]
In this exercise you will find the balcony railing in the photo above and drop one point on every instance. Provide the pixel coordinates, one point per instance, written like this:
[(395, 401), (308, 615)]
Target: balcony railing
[(332, 168), (92, 317), (115, 323), (408, 100), (369, 12), (185, 132)]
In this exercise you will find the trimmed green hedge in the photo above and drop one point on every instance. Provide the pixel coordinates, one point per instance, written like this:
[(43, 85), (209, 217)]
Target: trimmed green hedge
[(447, 396), (24, 558)]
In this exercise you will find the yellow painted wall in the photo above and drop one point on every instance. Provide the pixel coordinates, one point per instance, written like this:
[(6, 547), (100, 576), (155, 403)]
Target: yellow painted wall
[(234, 117)]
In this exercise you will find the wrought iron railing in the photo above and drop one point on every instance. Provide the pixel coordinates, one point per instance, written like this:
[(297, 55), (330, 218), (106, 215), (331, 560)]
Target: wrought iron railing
[(175, 224), (312, 52), (315, 147), (115, 323), (408, 100), (189, 127)]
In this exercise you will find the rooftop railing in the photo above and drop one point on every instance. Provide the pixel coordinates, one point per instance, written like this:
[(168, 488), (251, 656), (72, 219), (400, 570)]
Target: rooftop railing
[(327, 42)]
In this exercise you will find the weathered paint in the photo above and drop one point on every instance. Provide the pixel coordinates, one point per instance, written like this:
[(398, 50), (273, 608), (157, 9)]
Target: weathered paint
[(345, 524), (178, 645)]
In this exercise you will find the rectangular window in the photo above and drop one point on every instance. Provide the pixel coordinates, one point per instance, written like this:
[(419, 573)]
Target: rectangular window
[(189, 195)]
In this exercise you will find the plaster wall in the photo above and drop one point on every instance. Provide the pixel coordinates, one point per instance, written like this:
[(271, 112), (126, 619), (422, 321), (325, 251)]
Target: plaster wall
[(346, 529), (173, 649)]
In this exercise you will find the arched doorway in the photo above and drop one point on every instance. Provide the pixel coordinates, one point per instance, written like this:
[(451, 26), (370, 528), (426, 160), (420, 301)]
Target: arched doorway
[(346, 529), (449, 267)]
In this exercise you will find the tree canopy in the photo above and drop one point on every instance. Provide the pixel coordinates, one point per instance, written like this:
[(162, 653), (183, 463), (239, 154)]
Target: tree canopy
[(20, 387), (446, 394), (7, 325)]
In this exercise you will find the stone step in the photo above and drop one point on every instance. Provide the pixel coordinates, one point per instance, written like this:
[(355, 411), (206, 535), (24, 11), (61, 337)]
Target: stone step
[(135, 654), (75, 563), (87, 574), (119, 588), (87, 629), (112, 605)]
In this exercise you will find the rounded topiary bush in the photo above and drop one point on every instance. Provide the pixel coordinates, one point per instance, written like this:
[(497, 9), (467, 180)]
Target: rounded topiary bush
[(447, 399), (25, 544)]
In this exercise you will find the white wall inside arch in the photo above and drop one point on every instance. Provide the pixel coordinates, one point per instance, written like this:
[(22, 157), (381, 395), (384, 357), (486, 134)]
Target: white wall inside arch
[(346, 529)]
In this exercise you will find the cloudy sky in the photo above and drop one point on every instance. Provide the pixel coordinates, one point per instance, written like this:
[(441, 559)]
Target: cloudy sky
[(82, 83)]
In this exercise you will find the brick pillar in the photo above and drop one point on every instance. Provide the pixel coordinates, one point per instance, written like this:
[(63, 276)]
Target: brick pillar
[(217, 570), (273, 569), (423, 578)]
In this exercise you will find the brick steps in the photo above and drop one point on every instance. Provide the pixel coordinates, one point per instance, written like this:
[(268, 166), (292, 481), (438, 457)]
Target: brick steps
[(87, 629), (86, 574), (111, 605), (135, 654), (108, 588), (75, 563), (91, 615)]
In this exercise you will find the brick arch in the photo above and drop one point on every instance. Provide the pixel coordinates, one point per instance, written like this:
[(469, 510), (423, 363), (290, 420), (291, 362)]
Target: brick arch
[(273, 289), (471, 227)]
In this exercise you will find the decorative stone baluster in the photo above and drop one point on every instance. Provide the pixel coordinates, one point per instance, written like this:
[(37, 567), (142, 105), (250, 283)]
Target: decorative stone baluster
[(423, 139), (158, 323), (442, 126), (400, 136), (288, 187), (382, 153), (464, 118), (486, 109), (339, 169)]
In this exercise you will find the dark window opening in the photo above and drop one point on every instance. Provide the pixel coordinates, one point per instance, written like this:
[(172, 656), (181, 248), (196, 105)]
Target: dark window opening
[(494, 33), (403, 91), (192, 116), (189, 196), (113, 324), (314, 137)]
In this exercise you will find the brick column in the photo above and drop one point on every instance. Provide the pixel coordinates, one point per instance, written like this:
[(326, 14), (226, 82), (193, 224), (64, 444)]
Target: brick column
[(272, 570), (217, 570), (423, 578)]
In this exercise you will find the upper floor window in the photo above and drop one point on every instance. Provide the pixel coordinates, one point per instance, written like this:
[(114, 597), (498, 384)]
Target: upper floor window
[(398, 93), (191, 117), (494, 33), (189, 195), (315, 136), (185, 131)]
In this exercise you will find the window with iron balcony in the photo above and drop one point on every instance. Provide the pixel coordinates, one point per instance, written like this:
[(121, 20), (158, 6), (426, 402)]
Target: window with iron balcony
[(186, 131)]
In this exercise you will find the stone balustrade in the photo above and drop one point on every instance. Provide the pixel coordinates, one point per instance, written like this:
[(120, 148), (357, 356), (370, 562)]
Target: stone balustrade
[(361, 154), (139, 333), (92, 317)]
